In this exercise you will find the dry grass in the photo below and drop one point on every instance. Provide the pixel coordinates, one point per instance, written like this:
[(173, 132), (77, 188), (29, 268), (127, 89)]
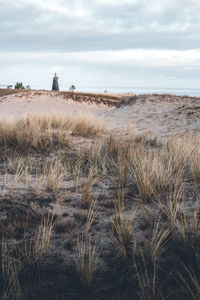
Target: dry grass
[(187, 229), (155, 175), (80, 125), (86, 191), (86, 259), (15, 257), (45, 133), (92, 214), (109, 100), (5, 92), (27, 135), (10, 271), (191, 284), (52, 175), (103, 187), (36, 247), (122, 227)]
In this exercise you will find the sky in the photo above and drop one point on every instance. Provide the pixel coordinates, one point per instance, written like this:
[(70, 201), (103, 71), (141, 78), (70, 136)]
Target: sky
[(100, 43)]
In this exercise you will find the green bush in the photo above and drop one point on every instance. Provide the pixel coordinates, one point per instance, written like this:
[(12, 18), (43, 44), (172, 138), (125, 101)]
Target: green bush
[(19, 85), (72, 88)]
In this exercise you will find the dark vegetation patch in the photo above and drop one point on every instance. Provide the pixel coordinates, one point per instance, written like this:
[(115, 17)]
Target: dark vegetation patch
[(5, 92), (109, 100)]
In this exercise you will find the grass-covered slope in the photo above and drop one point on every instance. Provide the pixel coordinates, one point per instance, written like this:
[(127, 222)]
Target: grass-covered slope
[(85, 214)]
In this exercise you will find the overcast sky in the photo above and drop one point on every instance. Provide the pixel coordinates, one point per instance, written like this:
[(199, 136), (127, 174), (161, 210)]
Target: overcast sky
[(153, 43)]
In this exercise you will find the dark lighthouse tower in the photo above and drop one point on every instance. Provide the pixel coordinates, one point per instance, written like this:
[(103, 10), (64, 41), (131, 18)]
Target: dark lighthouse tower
[(55, 85)]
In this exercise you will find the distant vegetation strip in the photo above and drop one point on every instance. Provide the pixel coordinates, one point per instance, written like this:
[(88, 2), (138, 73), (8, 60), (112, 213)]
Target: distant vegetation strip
[(5, 92), (92, 97)]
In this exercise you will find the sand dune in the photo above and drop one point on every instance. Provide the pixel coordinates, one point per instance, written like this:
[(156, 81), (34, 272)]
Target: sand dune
[(160, 115), (76, 199)]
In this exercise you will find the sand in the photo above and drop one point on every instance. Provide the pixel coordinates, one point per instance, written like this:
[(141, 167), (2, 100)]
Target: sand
[(18, 105), (160, 115)]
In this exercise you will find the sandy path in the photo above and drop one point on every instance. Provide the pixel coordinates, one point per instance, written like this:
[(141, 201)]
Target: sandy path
[(153, 114)]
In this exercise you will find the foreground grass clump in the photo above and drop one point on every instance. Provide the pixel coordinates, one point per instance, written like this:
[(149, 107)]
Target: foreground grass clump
[(45, 133), (117, 218)]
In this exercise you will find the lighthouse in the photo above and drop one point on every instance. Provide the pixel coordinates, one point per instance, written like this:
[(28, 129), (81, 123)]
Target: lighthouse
[(55, 85)]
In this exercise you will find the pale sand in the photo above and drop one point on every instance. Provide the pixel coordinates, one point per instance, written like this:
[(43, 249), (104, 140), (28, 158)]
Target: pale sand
[(17, 105), (151, 114)]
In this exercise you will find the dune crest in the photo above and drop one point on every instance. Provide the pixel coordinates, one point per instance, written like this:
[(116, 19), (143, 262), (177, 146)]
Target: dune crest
[(160, 115)]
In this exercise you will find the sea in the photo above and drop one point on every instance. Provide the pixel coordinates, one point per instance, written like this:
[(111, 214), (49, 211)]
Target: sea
[(193, 92)]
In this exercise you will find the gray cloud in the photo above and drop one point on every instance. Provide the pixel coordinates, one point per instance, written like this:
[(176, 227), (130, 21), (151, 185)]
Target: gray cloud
[(48, 35), (98, 25)]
